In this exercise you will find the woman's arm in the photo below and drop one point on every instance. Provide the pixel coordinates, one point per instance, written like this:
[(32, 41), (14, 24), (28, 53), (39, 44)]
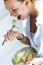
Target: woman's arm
[(23, 39), (14, 34)]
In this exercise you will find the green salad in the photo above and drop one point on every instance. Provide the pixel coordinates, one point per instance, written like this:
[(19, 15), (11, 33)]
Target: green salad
[(24, 56)]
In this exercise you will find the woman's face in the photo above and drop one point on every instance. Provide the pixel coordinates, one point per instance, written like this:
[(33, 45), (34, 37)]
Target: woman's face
[(17, 8)]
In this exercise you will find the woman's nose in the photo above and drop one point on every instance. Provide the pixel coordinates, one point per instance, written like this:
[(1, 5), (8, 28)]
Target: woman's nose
[(19, 17)]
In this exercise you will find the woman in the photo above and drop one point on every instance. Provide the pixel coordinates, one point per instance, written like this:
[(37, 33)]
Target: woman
[(22, 9)]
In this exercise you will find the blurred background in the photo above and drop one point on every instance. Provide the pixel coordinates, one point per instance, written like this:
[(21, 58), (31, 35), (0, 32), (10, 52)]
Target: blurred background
[(3, 11)]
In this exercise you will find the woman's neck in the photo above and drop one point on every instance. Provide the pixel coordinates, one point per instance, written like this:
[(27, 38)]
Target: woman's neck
[(33, 21)]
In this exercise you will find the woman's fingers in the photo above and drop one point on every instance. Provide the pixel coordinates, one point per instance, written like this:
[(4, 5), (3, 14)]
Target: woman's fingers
[(6, 38), (10, 35)]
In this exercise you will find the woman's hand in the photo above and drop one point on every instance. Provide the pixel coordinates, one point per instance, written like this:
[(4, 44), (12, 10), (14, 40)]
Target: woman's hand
[(15, 34), (36, 61), (11, 35)]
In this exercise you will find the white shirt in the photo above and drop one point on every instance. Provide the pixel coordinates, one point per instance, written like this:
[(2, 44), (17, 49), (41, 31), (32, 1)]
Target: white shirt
[(26, 32), (38, 38)]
